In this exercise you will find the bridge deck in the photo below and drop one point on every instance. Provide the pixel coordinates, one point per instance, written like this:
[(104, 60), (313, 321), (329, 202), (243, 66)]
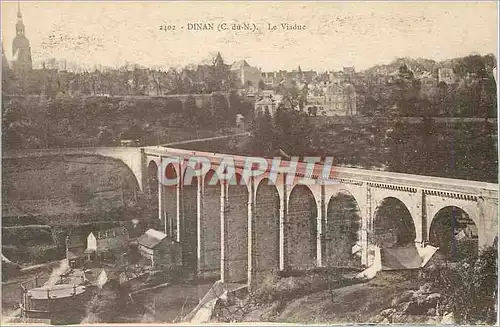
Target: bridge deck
[(374, 176)]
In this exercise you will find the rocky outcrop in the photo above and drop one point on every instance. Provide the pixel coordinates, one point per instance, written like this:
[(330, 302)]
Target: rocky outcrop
[(415, 306)]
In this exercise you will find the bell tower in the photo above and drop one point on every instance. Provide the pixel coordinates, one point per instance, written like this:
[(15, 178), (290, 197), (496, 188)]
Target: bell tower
[(21, 49)]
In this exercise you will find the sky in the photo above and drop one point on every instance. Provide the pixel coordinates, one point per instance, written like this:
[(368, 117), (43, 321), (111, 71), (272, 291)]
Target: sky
[(337, 34)]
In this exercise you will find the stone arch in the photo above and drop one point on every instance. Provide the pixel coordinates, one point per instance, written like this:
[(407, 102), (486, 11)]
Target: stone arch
[(266, 228), (236, 230), (467, 207), (190, 219), (301, 229), (393, 224), (210, 229), (342, 241), (313, 189), (355, 191), (131, 157), (277, 181), (454, 232)]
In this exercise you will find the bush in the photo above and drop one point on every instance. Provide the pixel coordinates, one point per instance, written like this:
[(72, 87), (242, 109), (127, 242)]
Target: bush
[(273, 288), (32, 254), (27, 235), (470, 288)]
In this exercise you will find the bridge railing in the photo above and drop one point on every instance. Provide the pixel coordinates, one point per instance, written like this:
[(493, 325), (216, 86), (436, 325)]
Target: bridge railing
[(375, 176)]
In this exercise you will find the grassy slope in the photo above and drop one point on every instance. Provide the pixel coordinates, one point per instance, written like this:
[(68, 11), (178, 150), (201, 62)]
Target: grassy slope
[(355, 303), (65, 186)]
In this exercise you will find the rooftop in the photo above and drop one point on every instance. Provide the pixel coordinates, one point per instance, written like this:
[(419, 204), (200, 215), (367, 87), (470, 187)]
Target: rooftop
[(239, 64), (151, 238)]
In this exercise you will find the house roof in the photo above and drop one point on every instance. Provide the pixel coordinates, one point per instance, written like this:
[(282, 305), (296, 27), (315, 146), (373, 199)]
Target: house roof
[(4, 259), (112, 232), (265, 101), (151, 238), (74, 255), (239, 64)]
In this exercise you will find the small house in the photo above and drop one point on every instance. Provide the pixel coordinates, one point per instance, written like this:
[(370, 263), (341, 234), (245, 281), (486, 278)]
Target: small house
[(240, 121), (75, 251), (108, 245), (157, 248)]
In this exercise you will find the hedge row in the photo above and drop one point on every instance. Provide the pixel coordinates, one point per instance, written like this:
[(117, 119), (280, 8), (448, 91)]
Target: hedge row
[(32, 254), (27, 235)]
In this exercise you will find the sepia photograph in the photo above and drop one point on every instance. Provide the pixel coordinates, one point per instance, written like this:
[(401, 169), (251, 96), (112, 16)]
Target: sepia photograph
[(223, 162)]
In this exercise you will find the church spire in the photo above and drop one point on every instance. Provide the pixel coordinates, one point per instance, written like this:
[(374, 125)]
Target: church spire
[(19, 24), (218, 59), (21, 50)]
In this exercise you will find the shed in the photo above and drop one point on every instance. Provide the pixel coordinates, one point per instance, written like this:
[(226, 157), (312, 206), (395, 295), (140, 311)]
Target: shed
[(75, 250), (154, 246)]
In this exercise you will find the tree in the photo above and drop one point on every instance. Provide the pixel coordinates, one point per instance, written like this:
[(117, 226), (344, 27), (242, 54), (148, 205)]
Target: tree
[(262, 85), (191, 111), (175, 81), (293, 131), (221, 78), (425, 161), (470, 288), (408, 89), (219, 110), (157, 78), (263, 136), (291, 98), (234, 107)]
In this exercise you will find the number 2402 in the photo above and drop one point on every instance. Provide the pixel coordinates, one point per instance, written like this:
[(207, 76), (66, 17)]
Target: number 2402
[(167, 27)]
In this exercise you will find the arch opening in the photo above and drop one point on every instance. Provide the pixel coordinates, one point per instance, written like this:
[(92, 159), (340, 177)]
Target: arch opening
[(170, 203), (210, 229), (342, 231), (454, 233), (301, 229), (266, 229), (190, 220), (170, 171), (393, 225), (236, 231)]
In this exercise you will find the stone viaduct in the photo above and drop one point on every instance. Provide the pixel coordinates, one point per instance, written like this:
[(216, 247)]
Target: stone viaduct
[(240, 232)]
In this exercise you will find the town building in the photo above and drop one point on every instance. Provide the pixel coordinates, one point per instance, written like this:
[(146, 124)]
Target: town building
[(157, 248), (427, 80), (349, 71), (240, 122), (247, 75), (108, 245), (337, 99), (287, 79), (21, 50), (337, 77), (446, 75), (273, 79), (269, 103), (75, 250)]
